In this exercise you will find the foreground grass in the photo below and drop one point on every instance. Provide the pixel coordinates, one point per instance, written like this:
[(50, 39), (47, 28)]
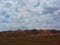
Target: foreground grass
[(20, 38)]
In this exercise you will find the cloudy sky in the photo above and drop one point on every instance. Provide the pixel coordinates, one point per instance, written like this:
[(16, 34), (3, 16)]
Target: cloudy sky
[(29, 14)]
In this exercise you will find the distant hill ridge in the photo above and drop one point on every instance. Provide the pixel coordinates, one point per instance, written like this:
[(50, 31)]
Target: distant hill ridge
[(36, 32)]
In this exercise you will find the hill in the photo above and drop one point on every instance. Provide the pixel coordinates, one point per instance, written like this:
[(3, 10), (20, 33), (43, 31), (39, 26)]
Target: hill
[(30, 37)]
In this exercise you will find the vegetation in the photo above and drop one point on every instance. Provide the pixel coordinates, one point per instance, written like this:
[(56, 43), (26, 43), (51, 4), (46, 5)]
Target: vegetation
[(30, 37)]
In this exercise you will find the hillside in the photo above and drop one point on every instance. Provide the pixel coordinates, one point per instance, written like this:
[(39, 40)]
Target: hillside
[(30, 37)]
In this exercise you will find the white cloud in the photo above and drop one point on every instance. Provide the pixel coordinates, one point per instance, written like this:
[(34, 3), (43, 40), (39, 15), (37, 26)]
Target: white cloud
[(26, 15)]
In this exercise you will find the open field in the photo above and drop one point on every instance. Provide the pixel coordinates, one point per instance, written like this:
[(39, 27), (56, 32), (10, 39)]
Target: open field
[(30, 37)]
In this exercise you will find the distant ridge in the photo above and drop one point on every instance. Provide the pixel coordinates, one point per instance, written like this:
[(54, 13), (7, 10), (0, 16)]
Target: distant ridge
[(30, 32)]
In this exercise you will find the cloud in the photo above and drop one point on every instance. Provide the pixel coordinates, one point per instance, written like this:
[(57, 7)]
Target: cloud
[(29, 14)]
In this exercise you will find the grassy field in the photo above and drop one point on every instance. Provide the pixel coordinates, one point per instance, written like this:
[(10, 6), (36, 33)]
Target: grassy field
[(29, 38)]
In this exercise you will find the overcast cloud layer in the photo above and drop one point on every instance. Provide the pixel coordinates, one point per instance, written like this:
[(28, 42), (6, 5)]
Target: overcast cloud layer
[(29, 14)]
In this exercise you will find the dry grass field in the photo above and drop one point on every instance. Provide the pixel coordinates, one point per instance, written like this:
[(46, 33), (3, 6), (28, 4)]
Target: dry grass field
[(30, 37)]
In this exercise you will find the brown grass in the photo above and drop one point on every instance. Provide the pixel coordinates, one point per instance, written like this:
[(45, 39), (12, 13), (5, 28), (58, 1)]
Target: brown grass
[(30, 37)]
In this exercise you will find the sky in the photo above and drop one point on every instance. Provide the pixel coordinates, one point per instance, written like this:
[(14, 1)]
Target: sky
[(29, 14)]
